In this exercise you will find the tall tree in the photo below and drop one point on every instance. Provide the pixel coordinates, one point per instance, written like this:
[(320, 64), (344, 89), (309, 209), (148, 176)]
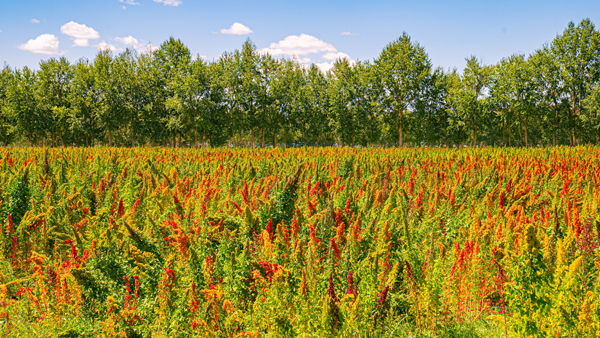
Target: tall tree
[(432, 124), (52, 90), (107, 78), (310, 116), (577, 51), (84, 103), (404, 68), (367, 106), (515, 89), (554, 104), (172, 61), (455, 108), (6, 124), (342, 97), (22, 106), (285, 88), (592, 117), (476, 79)]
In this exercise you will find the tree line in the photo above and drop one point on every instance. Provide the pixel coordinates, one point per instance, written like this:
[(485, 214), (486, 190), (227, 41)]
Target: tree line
[(248, 98)]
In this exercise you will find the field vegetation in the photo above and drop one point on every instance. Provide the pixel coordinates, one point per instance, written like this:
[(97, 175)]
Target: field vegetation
[(307, 242)]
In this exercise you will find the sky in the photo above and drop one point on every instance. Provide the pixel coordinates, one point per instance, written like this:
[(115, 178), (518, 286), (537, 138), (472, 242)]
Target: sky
[(310, 31)]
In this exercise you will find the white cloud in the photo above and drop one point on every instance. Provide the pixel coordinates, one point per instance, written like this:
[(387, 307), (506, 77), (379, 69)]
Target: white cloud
[(129, 40), (150, 48), (106, 46), (129, 2), (43, 44), (325, 54), (237, 29), (299, 45), (336, 55), (169, 2), (324, 66), (35, 21), (80, 34), (136, 44), (349, 33)]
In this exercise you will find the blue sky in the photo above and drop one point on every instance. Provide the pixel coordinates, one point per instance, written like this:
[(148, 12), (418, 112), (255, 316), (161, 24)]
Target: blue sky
[(314, 31)]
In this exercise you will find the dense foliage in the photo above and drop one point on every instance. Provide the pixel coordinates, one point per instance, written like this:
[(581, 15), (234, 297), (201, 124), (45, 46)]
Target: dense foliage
[(247, 98), (300, 242)]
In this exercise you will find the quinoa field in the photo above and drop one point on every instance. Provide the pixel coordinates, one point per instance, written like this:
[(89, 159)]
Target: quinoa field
[(300, 242)]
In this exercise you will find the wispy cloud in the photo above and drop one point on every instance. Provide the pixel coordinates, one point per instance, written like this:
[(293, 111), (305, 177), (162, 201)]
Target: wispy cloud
[(349, 33), (35, 21), (174, 3)]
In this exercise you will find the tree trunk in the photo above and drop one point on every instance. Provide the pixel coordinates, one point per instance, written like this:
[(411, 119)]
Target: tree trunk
[(274, 140), (109, 138), (263, 137), (526, 140), (555, 125), (400, 131), (132, 138), (252, 137)]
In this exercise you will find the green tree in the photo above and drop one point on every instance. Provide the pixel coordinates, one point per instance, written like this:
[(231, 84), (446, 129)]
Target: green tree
[(106, 77), (6, 125), (84, 103), (554, 105), (21, 105), (515, 89), (285, 87), (367, 108), (592, 117), (262, 96), (52, 88), (310, 114), (432, 112), (577, 51), (404, 68), (342, 97), (172, 61), (214, 119), (472, 97)]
